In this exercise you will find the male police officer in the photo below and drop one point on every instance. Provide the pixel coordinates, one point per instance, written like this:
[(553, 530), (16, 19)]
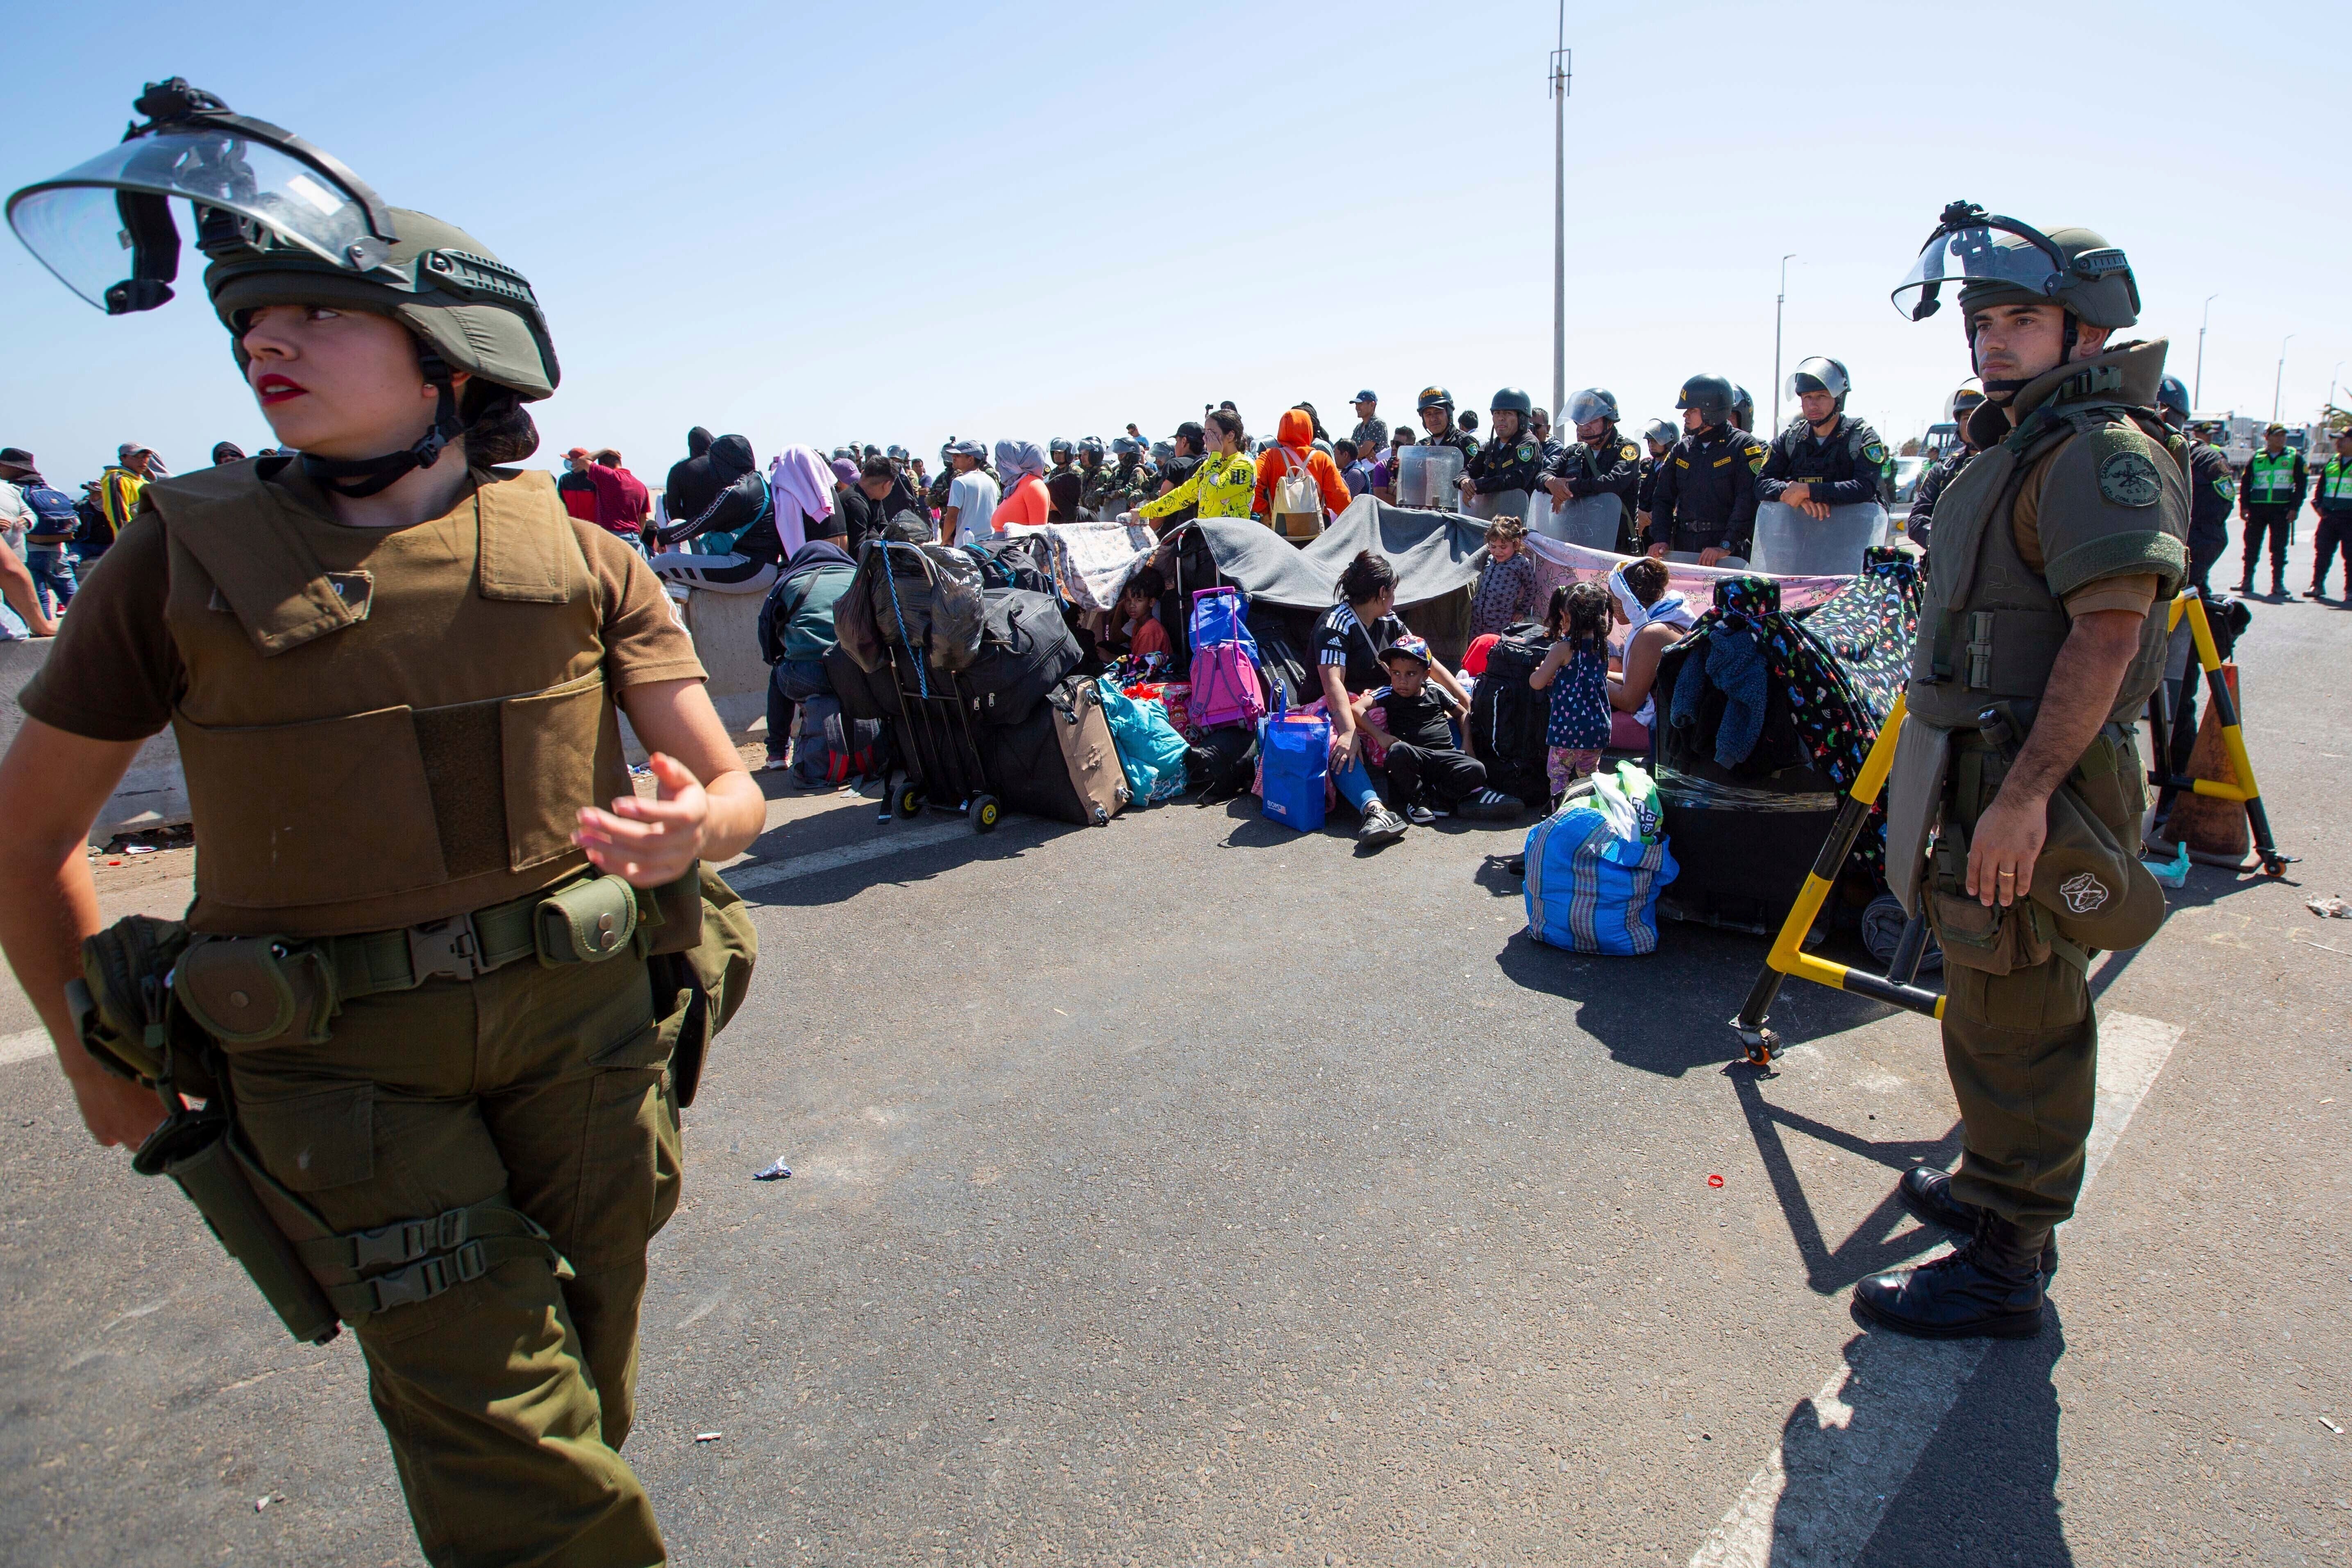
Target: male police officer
[(1502, 474), (1703, 506), (1826, 457), (1130, 483), (2212, 487), (2333, 501), (1600, 461), (440, 1071), (1659, 437), (1435, 406), (2276, 482), (2055, 552), (1958, 410), (1095, 480)]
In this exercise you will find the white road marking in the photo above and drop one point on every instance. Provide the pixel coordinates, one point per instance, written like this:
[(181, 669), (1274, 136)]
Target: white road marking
[(897, 841), (24, 1046), (1818, 1498)]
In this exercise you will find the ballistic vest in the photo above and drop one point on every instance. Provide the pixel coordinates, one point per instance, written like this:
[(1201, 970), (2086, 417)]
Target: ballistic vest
[(382, 727), (2269, 480), (1989, 626)]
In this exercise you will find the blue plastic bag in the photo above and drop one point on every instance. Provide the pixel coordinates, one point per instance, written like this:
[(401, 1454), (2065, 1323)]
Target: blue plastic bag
[(1150, 749), (1294, 761), (1595, 869)]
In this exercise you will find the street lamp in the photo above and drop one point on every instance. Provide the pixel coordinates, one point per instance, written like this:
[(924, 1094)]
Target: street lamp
[(2197, 399), (1558, 89), (2280, 379), (2331, 383), (1776, 304)]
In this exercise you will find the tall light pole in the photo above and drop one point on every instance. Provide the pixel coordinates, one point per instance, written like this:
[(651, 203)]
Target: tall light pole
[(1777, 303), (2332, 376), (2197, 399), (2281, 380), (1557, 88)]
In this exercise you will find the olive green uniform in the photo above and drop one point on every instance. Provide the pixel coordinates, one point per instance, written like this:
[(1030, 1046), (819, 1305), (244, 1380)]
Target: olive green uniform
[(2081, 508), (382, 730)]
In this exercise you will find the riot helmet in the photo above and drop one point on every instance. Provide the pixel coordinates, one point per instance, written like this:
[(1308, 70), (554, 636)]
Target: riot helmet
[(1713, 396), (1819, 375), (895, 453), (1512, 400), (1092, 447), (1059, 448), (1662, 431), (1435, 398), (1999, 260), (1592, 402), (2172, 400), (1128, 446), (1963, 404), (1163, 452), (281, 222), (1741, 404)]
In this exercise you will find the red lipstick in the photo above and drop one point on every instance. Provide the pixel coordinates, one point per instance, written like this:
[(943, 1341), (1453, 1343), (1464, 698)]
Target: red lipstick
[(275, 388)]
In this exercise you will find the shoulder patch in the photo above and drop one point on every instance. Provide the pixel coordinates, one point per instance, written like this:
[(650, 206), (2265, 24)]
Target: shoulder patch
[(2128, 478), (1874, 453), (1527, 452), (2226, 488), (1755, 459), (1629, 452)]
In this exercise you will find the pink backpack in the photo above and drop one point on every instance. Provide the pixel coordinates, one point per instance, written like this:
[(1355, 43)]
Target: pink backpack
[(1225, 687)]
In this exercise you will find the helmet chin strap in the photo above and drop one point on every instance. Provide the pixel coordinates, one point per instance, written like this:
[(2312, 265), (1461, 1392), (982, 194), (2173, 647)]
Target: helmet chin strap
[(359, 477), (2002, 389)]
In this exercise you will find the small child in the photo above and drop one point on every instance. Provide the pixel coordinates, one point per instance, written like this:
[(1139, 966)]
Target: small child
[(1576, 671), (1506, 588), (1409, 719), (1136, 620)]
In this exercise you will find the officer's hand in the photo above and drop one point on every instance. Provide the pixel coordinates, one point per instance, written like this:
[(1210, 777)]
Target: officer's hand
[(1467, 485), (1798, 494), (1707, 557), (2007, 843), (649, 843), (1817, 509), (115, 1109), (1657, 552), (1559, 488)]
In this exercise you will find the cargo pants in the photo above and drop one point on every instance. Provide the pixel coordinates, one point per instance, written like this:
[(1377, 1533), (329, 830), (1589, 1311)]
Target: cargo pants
[(2023, 1048), (506, 1398)]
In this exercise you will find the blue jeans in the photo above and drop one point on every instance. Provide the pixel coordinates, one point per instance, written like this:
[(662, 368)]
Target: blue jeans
[(53, 572), (791, 683)]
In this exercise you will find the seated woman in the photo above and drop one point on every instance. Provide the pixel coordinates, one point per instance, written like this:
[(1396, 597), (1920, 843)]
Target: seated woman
[(1658, 620), (1349, 643), (737, 549)]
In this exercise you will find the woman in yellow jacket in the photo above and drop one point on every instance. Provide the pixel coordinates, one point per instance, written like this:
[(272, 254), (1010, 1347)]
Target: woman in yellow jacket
[(1224, 485)]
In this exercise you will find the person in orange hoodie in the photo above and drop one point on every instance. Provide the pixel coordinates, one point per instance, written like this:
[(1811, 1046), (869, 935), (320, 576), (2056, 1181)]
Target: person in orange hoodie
[(1294, 452)]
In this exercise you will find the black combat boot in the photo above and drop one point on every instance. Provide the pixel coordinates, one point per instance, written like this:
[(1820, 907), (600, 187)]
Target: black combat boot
[(1926, 1194), (1988, 1290)]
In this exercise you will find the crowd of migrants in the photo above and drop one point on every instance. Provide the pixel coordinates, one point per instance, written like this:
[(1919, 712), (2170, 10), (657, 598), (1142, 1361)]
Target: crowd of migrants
[(793, 529)]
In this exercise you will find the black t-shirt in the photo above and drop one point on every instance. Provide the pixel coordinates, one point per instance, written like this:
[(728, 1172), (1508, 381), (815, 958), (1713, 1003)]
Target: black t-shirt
[(1419, 720), (1341, 640)]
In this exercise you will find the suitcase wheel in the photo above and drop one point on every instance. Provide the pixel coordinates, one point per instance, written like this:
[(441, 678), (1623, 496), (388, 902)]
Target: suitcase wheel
[(906, 801), (985, 813)]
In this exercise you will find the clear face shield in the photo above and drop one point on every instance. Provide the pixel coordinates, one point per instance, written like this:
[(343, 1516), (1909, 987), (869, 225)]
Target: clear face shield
[(1972, 246), (1585, 406), (105, 227)]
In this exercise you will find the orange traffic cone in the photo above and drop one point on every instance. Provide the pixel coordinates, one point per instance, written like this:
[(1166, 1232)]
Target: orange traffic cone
[(2214, 829)]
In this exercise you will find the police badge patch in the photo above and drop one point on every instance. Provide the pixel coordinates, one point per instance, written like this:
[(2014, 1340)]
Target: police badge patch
[(1873, 452), (2128, 478), (2083, 892), (1755, 459), (1527, 452), (2226, 488), (1628, 452)]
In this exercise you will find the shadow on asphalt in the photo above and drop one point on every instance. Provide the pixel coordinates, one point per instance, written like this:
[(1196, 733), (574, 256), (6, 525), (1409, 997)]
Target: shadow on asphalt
[(1985, 1488), (1018, 836), (1870, 1249)]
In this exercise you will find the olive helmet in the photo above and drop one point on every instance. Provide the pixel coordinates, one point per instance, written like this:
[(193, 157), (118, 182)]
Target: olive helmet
[(1713, 396)]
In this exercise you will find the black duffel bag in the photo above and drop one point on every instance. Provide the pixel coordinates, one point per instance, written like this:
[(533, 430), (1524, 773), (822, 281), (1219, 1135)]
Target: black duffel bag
[(1026, 649)]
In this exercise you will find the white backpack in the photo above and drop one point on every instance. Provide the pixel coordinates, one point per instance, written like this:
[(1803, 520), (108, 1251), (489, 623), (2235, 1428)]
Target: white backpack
[(1297, 500)]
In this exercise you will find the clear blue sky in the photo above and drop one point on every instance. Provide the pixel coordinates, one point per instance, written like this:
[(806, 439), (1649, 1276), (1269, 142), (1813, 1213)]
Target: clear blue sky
[(894, 222)]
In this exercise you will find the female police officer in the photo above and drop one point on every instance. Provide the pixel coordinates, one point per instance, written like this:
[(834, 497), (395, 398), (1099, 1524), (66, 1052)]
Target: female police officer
[(393, 671)]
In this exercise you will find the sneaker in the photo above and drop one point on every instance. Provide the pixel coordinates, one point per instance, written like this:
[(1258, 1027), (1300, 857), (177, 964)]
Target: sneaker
[(2314, 592), (1381, 826), (1491, 806), (775, 765), (1419, 815)]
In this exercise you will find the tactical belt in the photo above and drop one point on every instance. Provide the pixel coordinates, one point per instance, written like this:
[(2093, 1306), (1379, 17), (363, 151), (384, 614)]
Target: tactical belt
[(459, 948)]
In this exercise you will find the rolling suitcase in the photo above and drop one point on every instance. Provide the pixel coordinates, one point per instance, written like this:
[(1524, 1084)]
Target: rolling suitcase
[(1060, 763)]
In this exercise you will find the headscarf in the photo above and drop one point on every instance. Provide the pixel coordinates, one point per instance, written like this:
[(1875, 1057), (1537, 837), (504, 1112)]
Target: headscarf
[(1016, 461), (1670, 608)]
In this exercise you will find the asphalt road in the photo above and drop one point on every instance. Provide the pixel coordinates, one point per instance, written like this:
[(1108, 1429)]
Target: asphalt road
[(1188, 1191)]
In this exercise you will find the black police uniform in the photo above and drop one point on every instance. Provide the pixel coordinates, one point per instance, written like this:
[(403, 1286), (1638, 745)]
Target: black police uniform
[(2212, 491), (1455, 437), (1931, 484), (1840, 469), (1512, 465), (1705, 497), (1611, 465)]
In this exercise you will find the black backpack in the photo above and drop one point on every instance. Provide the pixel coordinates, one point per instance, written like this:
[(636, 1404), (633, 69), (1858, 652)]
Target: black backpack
[(1026, 648), (1508, 718)]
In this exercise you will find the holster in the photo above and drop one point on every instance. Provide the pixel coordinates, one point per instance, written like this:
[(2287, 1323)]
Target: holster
[(199, 1150)]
